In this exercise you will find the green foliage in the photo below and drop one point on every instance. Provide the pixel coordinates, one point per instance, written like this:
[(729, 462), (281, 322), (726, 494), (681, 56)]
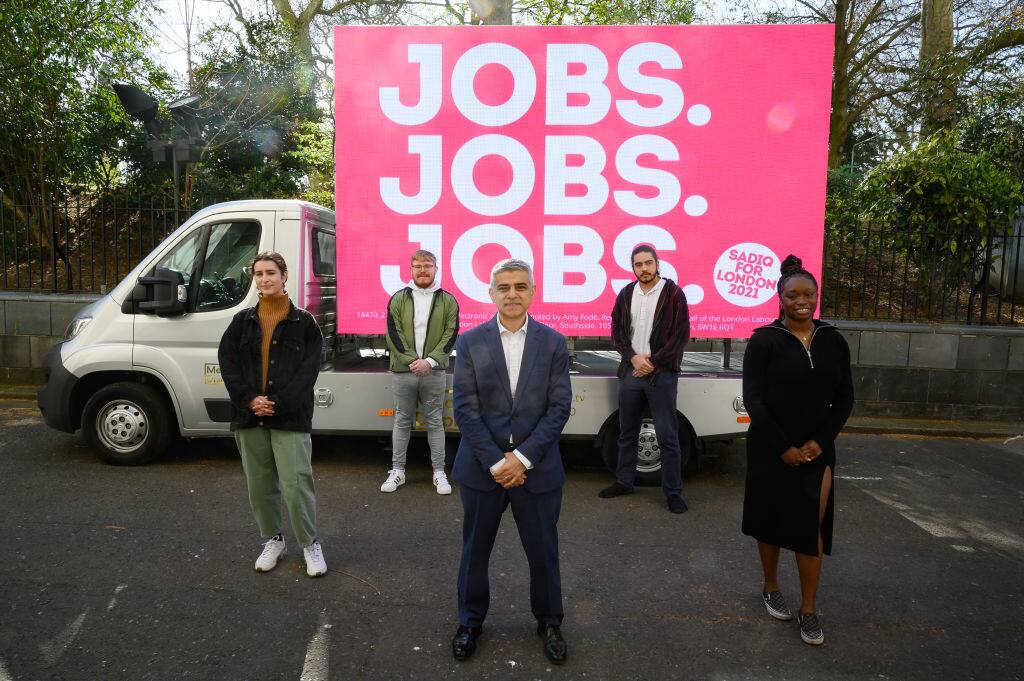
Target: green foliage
[(994, 121), (58, 122), (842, 203), (944, 199), (255, 103), (314, 151), (611, 12)]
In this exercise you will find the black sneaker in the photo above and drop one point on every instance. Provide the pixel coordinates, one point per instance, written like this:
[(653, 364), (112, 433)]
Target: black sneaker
[(676, 504), (810, 629), (616, 489), (776, 605)]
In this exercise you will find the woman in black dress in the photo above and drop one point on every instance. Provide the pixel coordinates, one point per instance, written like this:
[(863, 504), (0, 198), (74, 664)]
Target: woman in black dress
[(798, 392)]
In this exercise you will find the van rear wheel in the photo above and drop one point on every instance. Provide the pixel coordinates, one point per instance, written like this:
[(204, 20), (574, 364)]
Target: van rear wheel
[(648, 460), (126, 424)]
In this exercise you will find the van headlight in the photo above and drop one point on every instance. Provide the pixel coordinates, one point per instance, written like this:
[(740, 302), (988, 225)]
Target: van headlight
[(76, 326)]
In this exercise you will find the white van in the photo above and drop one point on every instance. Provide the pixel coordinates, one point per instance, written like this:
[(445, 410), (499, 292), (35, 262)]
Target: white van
[(139, 366)]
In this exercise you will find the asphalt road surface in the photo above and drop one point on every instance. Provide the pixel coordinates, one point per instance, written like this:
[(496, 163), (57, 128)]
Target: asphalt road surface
[(146, 573)]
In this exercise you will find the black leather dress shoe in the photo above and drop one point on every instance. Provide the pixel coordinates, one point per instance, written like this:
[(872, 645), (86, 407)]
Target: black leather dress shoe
[(676, 504), (616, 489), (464, 643), (555, 648)]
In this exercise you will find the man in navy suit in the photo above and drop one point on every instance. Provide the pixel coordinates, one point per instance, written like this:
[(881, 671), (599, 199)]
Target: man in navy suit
[(512, 399)]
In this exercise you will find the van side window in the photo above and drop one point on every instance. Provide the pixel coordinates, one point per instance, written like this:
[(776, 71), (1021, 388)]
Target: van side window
[(225, 277), (184, 258), (324, 253)]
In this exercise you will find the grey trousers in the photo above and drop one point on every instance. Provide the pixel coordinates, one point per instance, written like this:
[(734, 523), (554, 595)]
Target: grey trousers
[(428, 391)]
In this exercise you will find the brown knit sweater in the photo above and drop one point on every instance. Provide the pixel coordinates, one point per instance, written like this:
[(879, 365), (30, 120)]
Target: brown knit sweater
[(270, 311)]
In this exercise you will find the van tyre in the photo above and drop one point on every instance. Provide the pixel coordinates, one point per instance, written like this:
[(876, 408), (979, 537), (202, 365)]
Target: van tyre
[(127, 424), (648, 462)]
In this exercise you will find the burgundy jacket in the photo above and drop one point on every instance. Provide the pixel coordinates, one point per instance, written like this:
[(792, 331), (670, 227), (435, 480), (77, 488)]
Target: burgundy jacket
[(669, 336)]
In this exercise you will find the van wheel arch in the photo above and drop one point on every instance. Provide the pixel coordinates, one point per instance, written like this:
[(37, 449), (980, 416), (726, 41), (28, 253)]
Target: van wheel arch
[(607, 441), (91, 384)]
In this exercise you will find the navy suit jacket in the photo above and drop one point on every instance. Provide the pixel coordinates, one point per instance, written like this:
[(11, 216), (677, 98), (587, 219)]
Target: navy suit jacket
[(487, 415)]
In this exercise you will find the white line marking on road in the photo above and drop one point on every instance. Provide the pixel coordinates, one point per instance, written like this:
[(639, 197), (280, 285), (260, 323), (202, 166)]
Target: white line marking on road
[(113, 600), (979, 529), (316, 666), (4, 674), (856, 477), (954, 527), (52, 650), (965, 549), (1014, 439)]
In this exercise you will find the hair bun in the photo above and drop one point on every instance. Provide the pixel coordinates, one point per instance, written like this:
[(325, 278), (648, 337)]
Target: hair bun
[(790, 264)]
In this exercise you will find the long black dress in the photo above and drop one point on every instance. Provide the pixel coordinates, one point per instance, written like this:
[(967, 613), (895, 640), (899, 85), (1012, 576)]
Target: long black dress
[(793, 396)]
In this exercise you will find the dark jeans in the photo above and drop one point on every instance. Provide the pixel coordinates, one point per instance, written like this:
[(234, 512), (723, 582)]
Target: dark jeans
[(659, 392)]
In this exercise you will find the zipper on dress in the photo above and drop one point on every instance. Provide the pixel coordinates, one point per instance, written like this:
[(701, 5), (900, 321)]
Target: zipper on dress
[(810, 342)]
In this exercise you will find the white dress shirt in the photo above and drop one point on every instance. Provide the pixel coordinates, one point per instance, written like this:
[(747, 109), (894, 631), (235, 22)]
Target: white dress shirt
[(422, 298), (641, 311), (512, 344)]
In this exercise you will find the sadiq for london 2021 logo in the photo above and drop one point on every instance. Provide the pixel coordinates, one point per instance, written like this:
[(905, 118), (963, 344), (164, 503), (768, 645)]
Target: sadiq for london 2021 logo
[(746, 274)]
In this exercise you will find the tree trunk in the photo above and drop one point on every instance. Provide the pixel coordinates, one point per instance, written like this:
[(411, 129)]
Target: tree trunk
[(839, 120), (937, 43), (498, 12)]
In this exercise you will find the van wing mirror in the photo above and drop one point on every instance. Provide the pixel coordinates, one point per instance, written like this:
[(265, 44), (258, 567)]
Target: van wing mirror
[(165, 293)]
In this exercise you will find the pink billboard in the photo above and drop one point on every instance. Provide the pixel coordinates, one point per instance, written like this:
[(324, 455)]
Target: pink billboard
[(568, 146)]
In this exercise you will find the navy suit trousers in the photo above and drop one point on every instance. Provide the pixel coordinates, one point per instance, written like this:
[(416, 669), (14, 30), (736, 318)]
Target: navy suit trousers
[(536, 517)]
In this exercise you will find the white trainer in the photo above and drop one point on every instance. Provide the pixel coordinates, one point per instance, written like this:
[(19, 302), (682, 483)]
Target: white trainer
[(441, 483), (396, 478), (272, 552), (316, 566)]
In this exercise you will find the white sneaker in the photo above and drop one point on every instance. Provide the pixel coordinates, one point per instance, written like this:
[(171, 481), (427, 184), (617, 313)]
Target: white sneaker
[(396, 478), (316, 566), (441, 483), (272, 552)]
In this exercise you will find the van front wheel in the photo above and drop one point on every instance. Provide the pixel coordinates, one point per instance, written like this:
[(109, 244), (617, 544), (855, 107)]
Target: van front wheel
[(126, 424)]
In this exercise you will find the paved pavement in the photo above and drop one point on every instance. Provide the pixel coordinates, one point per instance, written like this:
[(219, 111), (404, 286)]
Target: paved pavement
[(146, 573)]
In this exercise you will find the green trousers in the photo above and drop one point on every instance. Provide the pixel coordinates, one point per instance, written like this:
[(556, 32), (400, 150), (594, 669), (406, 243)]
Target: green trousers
[(276, 464)]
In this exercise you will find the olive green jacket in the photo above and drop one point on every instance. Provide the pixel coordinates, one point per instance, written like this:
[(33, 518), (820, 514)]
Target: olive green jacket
[(442, 329)]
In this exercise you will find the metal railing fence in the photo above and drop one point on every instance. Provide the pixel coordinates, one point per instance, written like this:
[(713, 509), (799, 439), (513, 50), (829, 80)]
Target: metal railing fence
[(86, 244), (82, 244), (957, 274)]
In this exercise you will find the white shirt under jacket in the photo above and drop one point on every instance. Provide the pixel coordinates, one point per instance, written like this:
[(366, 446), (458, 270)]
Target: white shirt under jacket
[(422, 298), (512, 344), (641, 310)]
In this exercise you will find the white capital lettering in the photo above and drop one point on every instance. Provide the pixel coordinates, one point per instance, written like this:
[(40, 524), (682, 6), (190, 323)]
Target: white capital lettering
[(466, 247), (666, 183), (523, 89), (558, 175), (669, 91), (429, 59), (557, 264), (590, 83), (428, 147), (523, 174)]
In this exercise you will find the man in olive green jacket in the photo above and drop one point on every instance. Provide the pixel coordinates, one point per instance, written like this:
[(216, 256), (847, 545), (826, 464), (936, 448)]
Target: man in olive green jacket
[(423, 323)]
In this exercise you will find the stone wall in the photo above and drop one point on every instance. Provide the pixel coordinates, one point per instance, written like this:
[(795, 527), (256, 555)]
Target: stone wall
[(937, 371), (30, 324), (899, 370)]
